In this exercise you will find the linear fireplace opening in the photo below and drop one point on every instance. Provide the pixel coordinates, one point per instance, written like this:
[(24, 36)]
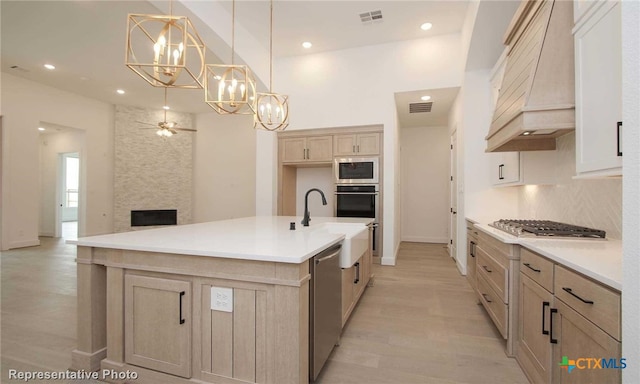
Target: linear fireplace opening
[(140, 218)]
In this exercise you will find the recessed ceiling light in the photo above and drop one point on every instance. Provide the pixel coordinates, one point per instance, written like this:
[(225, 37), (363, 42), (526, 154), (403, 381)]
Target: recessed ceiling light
[(120, 91), (425, 98), (426, 26), (306, 44), (527, 133), (40, 129), (50, 67), (166, 107)]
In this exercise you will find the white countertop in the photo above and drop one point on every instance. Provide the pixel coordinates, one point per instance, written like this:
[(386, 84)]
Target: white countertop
[(600, 260), (263, 238)]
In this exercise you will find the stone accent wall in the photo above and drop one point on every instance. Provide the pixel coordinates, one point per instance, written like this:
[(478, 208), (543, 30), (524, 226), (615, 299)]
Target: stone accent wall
[(595, 203), (151, 172)]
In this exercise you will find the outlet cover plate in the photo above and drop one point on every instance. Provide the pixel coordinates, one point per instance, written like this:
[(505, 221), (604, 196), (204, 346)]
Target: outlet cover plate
[(222, 299)]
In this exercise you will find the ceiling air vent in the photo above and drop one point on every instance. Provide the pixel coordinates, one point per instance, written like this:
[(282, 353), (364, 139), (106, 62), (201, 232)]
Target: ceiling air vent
[(370, 17), (420, 107)]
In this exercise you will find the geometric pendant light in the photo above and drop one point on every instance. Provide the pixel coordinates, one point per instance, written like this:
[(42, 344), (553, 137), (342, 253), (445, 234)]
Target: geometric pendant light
[(164, 50), (230, 89), (272, 109)]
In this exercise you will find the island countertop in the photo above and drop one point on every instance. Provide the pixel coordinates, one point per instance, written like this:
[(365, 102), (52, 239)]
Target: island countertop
[(262, 238)]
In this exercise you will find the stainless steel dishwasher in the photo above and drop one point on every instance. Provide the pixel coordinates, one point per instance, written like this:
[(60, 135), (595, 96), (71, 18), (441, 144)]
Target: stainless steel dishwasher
[(325, 305)]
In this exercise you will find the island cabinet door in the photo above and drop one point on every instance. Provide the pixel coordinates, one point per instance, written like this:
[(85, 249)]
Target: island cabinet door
[(236, 332), (158, 324)]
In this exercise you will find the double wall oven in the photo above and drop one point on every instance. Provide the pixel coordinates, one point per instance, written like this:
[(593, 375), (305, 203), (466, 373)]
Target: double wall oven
[(358, 191)]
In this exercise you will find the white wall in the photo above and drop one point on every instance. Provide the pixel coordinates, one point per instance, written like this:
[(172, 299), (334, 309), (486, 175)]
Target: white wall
[(51, 146), (224, 167), (424, 153), (321, 178), (631, 190), (24, 105), (356, 87)]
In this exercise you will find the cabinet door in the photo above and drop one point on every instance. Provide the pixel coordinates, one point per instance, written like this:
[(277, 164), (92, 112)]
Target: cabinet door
[(293, 150), (534, 351), (598, 47), (344, 145), (348, 276), (158, 324), (578, 339), (505, 168), (472, 243), (320, 148), (368, 144)]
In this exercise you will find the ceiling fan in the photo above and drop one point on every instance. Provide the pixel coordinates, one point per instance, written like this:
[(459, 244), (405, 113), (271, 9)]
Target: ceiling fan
[(166, 128)]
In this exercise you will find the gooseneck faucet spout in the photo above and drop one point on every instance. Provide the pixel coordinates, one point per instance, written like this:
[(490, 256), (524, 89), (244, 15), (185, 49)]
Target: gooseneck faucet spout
[(307, 218)]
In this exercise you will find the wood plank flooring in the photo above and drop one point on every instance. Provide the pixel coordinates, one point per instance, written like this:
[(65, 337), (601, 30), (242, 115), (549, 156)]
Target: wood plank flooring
[(420, 323)]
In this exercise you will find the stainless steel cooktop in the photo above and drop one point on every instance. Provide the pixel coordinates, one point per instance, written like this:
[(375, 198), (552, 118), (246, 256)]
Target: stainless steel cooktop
[(533, 228)]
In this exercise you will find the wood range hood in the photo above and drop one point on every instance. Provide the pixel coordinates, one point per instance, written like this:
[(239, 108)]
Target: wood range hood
[(536, 101)]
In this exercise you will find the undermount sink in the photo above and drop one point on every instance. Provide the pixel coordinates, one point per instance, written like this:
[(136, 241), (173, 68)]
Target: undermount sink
[(355, 243)]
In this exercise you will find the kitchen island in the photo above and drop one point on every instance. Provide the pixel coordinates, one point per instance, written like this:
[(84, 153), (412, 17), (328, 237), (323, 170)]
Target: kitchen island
[(219, 302)]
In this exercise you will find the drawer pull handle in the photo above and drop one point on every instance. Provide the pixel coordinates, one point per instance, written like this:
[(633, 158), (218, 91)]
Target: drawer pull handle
[(544, 304), (182, 293), (486, 268), (530, 267), (486, 298), (551, 339), (569, 291)]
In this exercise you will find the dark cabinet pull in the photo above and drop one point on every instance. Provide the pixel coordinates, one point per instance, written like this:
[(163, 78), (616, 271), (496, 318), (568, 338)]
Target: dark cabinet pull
[(551, 339), (544, 304), (472, 249), (500, 176), (486, 298), (618, 141), (569, 291), (486, 269), (357, 280), (530, 267), (182, 293)]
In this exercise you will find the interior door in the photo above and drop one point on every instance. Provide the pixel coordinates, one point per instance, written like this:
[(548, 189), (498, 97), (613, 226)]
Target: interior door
[(453, 196)]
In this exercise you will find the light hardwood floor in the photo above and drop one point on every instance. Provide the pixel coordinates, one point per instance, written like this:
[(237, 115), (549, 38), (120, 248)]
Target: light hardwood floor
[(420, 323)]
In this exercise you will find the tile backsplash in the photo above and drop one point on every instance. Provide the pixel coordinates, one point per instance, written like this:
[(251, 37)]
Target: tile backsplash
[(595, 203)]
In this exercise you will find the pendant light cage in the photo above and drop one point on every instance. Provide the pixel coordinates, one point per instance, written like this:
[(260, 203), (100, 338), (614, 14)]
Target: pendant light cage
[(272, 112), (230, 89), (272, 109), (166, 51)]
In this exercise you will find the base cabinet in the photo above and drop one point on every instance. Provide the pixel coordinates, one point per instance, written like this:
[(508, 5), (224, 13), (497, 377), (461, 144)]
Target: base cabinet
[(158, 324), (559, 339), (472, 243)]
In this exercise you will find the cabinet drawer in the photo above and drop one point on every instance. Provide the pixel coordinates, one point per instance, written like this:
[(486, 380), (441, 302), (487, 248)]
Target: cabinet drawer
[(597, 303), (495, 274), (493, 304), (537, 268)]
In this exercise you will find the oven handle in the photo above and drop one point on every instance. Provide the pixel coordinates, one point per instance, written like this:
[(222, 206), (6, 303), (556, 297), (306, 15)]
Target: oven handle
[(357, 193)]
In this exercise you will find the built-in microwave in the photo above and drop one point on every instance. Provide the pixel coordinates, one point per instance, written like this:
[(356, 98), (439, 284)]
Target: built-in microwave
[(356, 170)]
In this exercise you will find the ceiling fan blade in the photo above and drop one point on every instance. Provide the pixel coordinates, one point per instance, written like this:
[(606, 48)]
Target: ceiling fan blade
[(186, 129)]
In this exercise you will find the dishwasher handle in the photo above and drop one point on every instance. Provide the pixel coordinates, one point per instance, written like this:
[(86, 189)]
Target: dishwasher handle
[(331, 256)]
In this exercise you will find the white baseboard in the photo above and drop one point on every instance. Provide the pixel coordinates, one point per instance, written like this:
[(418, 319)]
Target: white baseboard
[(23, 244), (461, 268), (422, 239), (391, 260), (47, 234)]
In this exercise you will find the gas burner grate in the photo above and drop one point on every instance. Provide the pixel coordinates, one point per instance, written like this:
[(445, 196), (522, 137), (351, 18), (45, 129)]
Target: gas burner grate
[(549, 228)]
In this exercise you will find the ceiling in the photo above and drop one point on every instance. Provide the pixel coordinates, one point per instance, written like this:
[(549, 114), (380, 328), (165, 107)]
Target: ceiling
[(89, 52), (441, 102)]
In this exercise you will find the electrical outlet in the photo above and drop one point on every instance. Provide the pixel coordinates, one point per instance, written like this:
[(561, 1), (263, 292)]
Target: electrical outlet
[(222, 299)]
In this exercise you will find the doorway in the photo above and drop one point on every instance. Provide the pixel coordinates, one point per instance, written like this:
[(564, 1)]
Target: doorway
[(68, 190), (453, 195)]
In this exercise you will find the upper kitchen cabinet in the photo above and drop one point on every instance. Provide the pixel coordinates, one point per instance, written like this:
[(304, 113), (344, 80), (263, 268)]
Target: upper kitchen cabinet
[(306, 149), (521, 168), (360, 144), (598, 49), (536, 100)]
